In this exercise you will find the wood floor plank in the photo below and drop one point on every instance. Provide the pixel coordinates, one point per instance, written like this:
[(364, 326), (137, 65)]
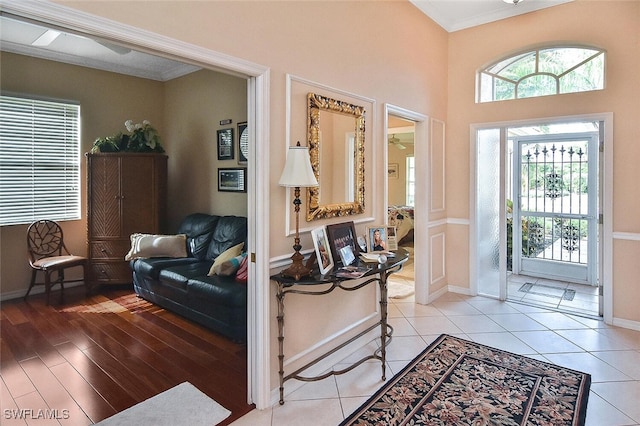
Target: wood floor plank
[(29, 405), (208, 347), (56, 396), (13, 314), (197, 354), (90, 375), (17, 341), (72, 332), (119, 373), (13, 375), (87, 398), (8, 408), (125, 354)]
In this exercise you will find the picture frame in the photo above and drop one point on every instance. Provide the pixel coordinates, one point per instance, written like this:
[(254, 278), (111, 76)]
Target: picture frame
[(340, 235), (232, 179), (243, 143), (322, 249), (381, 243), (225, 144), (392, 170)]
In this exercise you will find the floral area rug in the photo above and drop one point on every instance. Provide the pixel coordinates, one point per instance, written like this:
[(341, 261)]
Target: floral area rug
[(458, 382)]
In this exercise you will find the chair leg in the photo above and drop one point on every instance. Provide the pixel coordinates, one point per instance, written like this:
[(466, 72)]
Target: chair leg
[(47, 285), (33, 282), (60, 280)]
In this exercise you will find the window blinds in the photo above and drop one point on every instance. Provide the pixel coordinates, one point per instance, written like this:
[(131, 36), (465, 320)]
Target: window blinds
[(39, 160)]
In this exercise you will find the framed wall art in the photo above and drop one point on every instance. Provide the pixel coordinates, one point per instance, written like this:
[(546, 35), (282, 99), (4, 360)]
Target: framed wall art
[(341, 235), (232, 179), (243, 143), (392, 170), (225, 144), (323, 251)]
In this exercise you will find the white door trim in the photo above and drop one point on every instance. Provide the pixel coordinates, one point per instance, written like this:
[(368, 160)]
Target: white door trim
[(605, 274), (421, 222), (258, 76)]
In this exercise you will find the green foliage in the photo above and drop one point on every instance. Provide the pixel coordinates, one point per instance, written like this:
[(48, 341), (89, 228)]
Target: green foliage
[(142, 138)]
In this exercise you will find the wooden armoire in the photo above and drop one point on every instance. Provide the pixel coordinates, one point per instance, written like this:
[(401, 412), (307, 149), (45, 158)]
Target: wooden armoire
[(127, 193)]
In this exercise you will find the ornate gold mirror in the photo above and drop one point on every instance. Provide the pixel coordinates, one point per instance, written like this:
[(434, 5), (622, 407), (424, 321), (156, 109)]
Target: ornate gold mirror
[(336, 146)]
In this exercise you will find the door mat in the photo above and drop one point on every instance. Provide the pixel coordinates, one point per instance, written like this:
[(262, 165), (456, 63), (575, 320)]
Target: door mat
[(548, 291)]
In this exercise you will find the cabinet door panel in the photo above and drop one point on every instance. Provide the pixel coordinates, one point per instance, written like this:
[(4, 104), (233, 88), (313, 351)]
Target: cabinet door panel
[(138, 195), (105, 188)]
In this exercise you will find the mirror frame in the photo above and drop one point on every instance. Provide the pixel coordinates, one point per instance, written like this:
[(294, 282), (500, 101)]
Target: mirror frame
[(315, 210)]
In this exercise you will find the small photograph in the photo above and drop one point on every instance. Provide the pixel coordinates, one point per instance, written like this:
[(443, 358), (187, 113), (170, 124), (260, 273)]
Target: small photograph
[(377, 238), (342, 235), (323, 253)]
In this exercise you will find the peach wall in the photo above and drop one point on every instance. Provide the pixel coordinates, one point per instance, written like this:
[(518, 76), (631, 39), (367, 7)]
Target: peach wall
[(611, 25)]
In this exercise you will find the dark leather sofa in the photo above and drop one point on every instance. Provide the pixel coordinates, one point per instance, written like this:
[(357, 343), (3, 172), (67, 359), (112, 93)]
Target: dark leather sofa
[(182, 284)]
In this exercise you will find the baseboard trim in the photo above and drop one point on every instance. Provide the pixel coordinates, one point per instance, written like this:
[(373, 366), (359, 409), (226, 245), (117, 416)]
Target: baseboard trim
[(625, 323), (18, 294)]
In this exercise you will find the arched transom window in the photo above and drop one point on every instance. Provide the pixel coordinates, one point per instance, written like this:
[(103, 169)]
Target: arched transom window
[(542, 72)]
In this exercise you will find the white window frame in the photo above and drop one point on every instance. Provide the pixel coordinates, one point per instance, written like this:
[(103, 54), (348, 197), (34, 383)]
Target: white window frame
[(410, 198), (499, 71), (39, 159)]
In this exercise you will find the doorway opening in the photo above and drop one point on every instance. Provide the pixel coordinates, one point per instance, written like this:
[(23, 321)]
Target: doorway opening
[(401, 192), (537, 198)]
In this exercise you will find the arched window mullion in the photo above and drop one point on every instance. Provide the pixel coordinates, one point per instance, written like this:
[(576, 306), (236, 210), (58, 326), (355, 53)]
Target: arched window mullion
[(591, 78), (575, 67), (555, 78)]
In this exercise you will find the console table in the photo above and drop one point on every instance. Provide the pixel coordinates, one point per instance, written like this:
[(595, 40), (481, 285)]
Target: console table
[(378, 273)]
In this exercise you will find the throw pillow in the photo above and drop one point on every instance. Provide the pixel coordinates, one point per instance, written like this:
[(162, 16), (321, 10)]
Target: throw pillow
[(242, 275), (151, 245), (230, 266), (224, 256)]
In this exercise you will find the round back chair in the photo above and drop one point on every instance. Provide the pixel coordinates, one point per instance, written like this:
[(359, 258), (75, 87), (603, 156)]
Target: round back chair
[(48, 254)]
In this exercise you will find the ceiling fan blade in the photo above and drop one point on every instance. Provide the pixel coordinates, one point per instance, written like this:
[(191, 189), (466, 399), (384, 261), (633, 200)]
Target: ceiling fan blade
[(46, 38)]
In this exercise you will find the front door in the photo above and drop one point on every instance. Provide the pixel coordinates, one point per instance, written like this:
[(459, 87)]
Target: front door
[(555, 207)]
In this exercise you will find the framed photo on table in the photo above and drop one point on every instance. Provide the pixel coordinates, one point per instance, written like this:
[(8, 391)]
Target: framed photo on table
[(225, 144), (380, 238), (323, 251), (341, 235), (232, 179)]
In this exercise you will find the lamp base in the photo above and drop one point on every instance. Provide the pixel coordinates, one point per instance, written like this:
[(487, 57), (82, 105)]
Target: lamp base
[(297, 269)]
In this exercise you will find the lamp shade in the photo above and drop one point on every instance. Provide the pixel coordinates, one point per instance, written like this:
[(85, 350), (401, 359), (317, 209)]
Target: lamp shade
[(297, 169)]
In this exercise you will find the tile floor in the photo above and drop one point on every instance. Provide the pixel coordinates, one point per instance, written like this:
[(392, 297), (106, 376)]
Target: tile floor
[(610, 354)]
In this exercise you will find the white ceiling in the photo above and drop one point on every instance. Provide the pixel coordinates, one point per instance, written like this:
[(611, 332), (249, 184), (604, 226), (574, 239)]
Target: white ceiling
[(18, 36), (454, 15)]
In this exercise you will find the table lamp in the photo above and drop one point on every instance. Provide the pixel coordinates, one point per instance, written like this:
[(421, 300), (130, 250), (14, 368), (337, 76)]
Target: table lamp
[(297, 174)]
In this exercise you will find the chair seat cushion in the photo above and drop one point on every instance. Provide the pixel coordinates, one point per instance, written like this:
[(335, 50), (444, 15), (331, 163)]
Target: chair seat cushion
[(58, 261)]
